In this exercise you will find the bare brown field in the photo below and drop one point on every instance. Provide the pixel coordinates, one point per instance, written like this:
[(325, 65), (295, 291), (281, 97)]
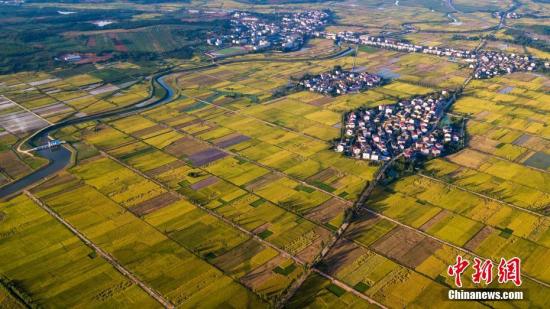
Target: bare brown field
[(230, 140), (12, 165), (185, 147), (165, 168), (311, 251), (398, 243), (321, 101), (478, 238), (326, 211), (344, 252), (205, 183), (206, 156), (435, 219), (263, 181), (153, 204)]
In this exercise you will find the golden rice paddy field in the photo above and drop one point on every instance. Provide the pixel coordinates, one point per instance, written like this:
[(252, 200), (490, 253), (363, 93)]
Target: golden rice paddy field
[(35, 245), (220, 197), (487, 200), (319, 292), (165, 254), (507, 157), (399, 266)]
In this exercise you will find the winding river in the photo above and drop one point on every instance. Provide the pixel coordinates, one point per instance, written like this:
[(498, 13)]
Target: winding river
[(60, 156)]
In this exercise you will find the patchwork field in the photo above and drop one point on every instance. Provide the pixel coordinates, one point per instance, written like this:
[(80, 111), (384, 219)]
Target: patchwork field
[(34, 245), (51, 97), (507, 156), (232, 196), (318, 292), (381, 259), (168, 262), (486, 200)]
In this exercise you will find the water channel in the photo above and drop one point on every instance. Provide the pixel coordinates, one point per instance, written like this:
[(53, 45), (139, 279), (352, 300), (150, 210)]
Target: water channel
[(60, 156)]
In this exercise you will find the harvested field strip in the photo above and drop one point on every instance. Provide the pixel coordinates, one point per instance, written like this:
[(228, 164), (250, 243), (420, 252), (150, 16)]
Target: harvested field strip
[(153, 204)]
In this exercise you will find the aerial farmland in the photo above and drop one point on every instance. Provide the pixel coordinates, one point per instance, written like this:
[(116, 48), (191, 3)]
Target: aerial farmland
[(275, 154)]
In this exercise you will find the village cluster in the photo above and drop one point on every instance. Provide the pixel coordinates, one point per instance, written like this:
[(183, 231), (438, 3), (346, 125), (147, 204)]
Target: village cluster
[(339, 81), (408, 128), (289, 31), (485, 63), (285, 32), (490, 64), (393, 44)]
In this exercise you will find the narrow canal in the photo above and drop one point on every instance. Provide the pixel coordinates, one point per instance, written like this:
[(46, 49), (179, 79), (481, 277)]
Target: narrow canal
[(59, 157)]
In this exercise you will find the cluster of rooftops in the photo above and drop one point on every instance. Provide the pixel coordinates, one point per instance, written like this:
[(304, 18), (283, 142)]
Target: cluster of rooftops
[(408, 128), (285, 31), (289, 31), (485, 63), (492, 64), (339, 81)]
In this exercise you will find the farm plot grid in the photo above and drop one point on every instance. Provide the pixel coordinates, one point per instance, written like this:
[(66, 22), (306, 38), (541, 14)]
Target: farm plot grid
[(35, 245), (31, 101), (16, 119), (482, 201), (221, 197), (52, 97)]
